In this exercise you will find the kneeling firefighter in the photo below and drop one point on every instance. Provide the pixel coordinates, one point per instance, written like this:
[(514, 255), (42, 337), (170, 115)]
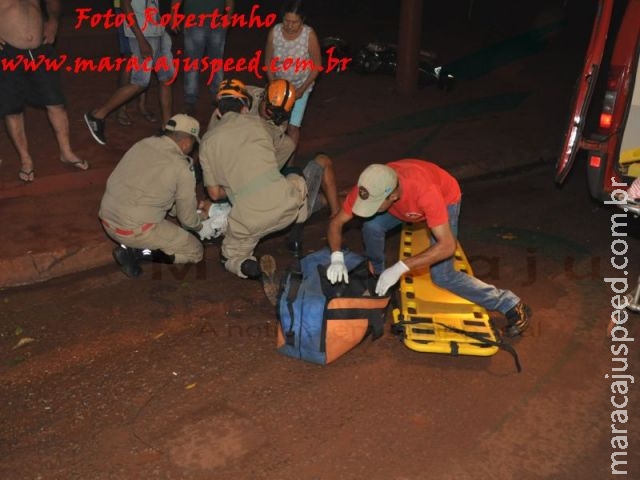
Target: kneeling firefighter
[(153, 178)]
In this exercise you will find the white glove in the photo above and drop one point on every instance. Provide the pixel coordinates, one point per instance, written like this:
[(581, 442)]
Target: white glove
[(216, 224), (207, 231), (634, 190), (390, 276), (219, 214), (337, 271)]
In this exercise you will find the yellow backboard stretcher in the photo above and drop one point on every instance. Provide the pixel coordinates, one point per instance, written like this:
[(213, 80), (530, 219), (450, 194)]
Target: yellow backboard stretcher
[(433, 320)]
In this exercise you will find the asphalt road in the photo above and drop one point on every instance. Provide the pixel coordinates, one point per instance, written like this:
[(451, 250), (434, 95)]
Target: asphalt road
[(175, 375)]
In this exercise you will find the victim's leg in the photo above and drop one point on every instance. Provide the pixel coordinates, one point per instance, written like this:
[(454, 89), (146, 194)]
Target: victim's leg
[(374, 233)]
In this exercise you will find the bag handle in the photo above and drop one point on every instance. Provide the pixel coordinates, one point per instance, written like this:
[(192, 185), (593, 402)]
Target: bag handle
[(295, 280)]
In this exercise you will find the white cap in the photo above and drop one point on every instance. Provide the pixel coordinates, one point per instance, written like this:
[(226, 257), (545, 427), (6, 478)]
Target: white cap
[(185, 124), (375, 184)]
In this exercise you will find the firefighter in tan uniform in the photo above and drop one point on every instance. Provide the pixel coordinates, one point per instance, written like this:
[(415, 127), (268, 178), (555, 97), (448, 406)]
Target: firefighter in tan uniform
[(273, 105), (239, 162), (155, 177)]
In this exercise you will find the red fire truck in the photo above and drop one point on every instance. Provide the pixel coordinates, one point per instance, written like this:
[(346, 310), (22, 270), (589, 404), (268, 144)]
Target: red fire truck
[(604, 123)]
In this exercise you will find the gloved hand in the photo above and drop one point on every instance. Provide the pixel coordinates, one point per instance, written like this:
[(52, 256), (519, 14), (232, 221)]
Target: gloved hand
[(390, 276), (216, 224), (337, 271), (218, 215), (207, 231), (634, 190)]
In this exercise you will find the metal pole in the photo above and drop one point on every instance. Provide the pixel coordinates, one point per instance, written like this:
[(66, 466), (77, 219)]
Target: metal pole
[(409, 46)]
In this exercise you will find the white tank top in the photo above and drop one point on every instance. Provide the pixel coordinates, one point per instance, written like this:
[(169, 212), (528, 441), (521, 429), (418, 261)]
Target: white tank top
[(297, 50)]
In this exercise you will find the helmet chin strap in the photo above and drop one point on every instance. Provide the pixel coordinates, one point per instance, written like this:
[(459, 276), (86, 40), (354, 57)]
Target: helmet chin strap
[(278, 115)]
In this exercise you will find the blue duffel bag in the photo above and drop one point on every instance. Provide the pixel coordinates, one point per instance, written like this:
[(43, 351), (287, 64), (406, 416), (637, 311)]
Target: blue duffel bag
[(320, 322)]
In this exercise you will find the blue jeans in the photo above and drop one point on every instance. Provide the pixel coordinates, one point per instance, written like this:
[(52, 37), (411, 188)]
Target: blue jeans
[(161, 47), (197, 42), (443, 273)]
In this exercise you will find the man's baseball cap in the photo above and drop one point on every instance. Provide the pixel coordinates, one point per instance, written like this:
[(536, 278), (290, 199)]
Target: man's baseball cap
[(185, 124), (375, 184)]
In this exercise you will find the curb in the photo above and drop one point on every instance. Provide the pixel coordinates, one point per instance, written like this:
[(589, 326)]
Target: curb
[(39, 267)]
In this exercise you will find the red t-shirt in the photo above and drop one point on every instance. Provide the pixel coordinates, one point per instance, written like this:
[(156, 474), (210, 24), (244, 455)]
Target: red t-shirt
[(426, 191)]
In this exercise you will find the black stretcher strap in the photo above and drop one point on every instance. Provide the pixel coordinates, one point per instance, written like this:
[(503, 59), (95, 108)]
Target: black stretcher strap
[(485, 341)]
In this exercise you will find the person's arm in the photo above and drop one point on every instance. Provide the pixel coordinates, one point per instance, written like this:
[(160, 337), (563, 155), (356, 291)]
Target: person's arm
[(316, 57), (337, 271), (145, 49), (204, 206), (211, 184), (186, 202), (334, 231), (443, 248), (50, 28), (217, 193), (268, 56)]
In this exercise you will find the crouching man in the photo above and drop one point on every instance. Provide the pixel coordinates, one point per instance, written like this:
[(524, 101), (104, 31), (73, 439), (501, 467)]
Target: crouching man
[(155, 177), (239, 162), (411, 190)]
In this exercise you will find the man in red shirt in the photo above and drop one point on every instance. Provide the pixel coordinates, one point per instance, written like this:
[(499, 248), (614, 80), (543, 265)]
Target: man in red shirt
[(416, 191)]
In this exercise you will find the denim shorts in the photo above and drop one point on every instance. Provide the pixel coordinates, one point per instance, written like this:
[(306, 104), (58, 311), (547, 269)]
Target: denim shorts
[(313, 173), (298, 110), (161, 47)]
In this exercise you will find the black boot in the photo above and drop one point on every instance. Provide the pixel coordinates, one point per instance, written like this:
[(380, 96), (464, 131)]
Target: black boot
[(518, 319), (158, 256), (294, 240), (127, 258), (251, 269), (155, 256)]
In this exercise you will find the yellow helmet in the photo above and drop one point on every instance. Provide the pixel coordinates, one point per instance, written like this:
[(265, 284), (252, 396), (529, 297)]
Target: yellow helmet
[(234, 88), (279, 99)]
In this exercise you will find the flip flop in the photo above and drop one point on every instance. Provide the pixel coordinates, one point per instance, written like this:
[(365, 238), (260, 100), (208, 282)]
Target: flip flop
[(149, 116), (123, 119), (79, 164), (26, 176)]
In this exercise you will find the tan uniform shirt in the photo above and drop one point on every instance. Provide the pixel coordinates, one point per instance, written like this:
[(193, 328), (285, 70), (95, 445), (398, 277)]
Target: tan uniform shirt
[(152, 176), (238, 154), (282, 142)]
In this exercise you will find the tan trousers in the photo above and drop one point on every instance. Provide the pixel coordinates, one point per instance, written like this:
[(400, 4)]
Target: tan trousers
[(165, 236), (237, 248)]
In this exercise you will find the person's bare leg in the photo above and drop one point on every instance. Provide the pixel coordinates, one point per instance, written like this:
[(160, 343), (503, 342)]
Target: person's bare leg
[(329, 187), (123, 115), (120, 97), (147, 114), (166, 101), (142, 103), (15, 128), (60, 123)]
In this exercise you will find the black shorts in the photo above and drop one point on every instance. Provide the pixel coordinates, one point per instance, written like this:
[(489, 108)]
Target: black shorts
[(19, 87)]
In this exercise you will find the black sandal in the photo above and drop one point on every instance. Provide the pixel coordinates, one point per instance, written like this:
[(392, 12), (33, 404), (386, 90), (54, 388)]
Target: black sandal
[(26, 176)]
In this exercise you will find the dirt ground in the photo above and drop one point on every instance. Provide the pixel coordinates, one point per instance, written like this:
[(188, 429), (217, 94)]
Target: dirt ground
[(175, 375)]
